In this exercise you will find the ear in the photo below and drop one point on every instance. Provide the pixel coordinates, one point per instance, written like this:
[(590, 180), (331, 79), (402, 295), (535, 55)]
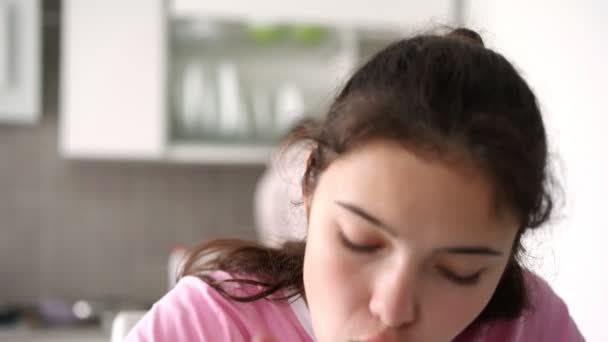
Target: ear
[(307, 204), (307, 193)]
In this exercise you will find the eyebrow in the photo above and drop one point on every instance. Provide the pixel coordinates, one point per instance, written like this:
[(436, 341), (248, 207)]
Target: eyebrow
[(367, 216), (463, 250)]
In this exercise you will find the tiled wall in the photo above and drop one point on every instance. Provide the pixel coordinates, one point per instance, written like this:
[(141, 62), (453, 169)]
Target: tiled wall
[(91, 229)]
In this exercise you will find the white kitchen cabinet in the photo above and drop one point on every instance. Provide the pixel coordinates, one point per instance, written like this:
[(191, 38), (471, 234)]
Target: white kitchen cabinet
[(377, 13), (20, 60), (122, 61), (113, 66)]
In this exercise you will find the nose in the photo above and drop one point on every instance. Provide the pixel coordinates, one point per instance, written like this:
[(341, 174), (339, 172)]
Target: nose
[(393, 300)]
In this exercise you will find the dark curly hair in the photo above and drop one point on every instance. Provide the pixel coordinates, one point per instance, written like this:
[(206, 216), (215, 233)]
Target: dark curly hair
[(438, 94)]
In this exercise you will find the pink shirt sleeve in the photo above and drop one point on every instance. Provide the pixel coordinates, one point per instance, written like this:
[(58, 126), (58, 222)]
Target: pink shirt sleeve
[(194, 311), (189, 312)]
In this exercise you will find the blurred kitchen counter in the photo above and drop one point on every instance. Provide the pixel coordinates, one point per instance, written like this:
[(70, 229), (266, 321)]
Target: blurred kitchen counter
[(24, 334)]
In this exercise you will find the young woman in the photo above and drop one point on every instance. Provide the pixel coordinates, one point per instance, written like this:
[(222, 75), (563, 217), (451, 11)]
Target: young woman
[(422, 178)]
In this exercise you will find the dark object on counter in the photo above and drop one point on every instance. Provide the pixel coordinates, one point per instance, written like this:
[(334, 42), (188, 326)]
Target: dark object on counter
[(9, 315), (62, 312)]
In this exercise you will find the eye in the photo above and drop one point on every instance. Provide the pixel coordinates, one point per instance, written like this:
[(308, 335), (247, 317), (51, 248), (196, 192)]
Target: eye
[(466, 280), (355, 247)]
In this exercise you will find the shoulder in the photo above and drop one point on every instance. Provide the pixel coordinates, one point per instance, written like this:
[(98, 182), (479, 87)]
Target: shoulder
[(548, 314), (195, 311), (547, 319), (191, 311)]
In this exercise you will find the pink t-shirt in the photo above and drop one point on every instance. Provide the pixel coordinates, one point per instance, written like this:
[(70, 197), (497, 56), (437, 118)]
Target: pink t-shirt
[(194, 311)]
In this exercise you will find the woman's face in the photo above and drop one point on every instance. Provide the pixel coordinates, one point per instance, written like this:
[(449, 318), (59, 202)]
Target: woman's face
[(401, 248)]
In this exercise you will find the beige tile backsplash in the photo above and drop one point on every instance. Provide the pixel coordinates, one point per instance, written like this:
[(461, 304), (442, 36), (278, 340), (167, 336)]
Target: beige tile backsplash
[(91, 229)]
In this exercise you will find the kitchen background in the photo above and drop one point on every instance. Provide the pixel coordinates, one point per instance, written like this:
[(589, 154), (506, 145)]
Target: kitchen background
[(101, 230), (110, 167)]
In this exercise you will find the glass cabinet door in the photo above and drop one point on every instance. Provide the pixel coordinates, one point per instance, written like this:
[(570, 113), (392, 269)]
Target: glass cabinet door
[(245, 83)]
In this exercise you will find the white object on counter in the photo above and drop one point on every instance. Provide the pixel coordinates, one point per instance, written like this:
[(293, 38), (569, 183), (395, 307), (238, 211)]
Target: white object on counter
[(261, 104), (233, 115), (278, 210), (289, 106), (177, 258), (191, 104), (198, 112), (123, 323)]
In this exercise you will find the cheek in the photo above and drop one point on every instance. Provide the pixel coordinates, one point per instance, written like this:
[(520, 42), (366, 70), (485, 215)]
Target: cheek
[(328, 265), (327, 268), (460, 306)]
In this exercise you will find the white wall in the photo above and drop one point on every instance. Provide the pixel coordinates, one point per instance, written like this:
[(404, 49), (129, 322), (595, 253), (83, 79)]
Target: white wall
[(562, 48)]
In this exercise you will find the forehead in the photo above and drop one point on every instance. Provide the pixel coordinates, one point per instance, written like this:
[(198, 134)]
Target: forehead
[(440, 199)]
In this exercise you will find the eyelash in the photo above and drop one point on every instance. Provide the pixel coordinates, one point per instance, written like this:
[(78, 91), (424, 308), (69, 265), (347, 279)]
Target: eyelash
[(357, 247), (469, 280)]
